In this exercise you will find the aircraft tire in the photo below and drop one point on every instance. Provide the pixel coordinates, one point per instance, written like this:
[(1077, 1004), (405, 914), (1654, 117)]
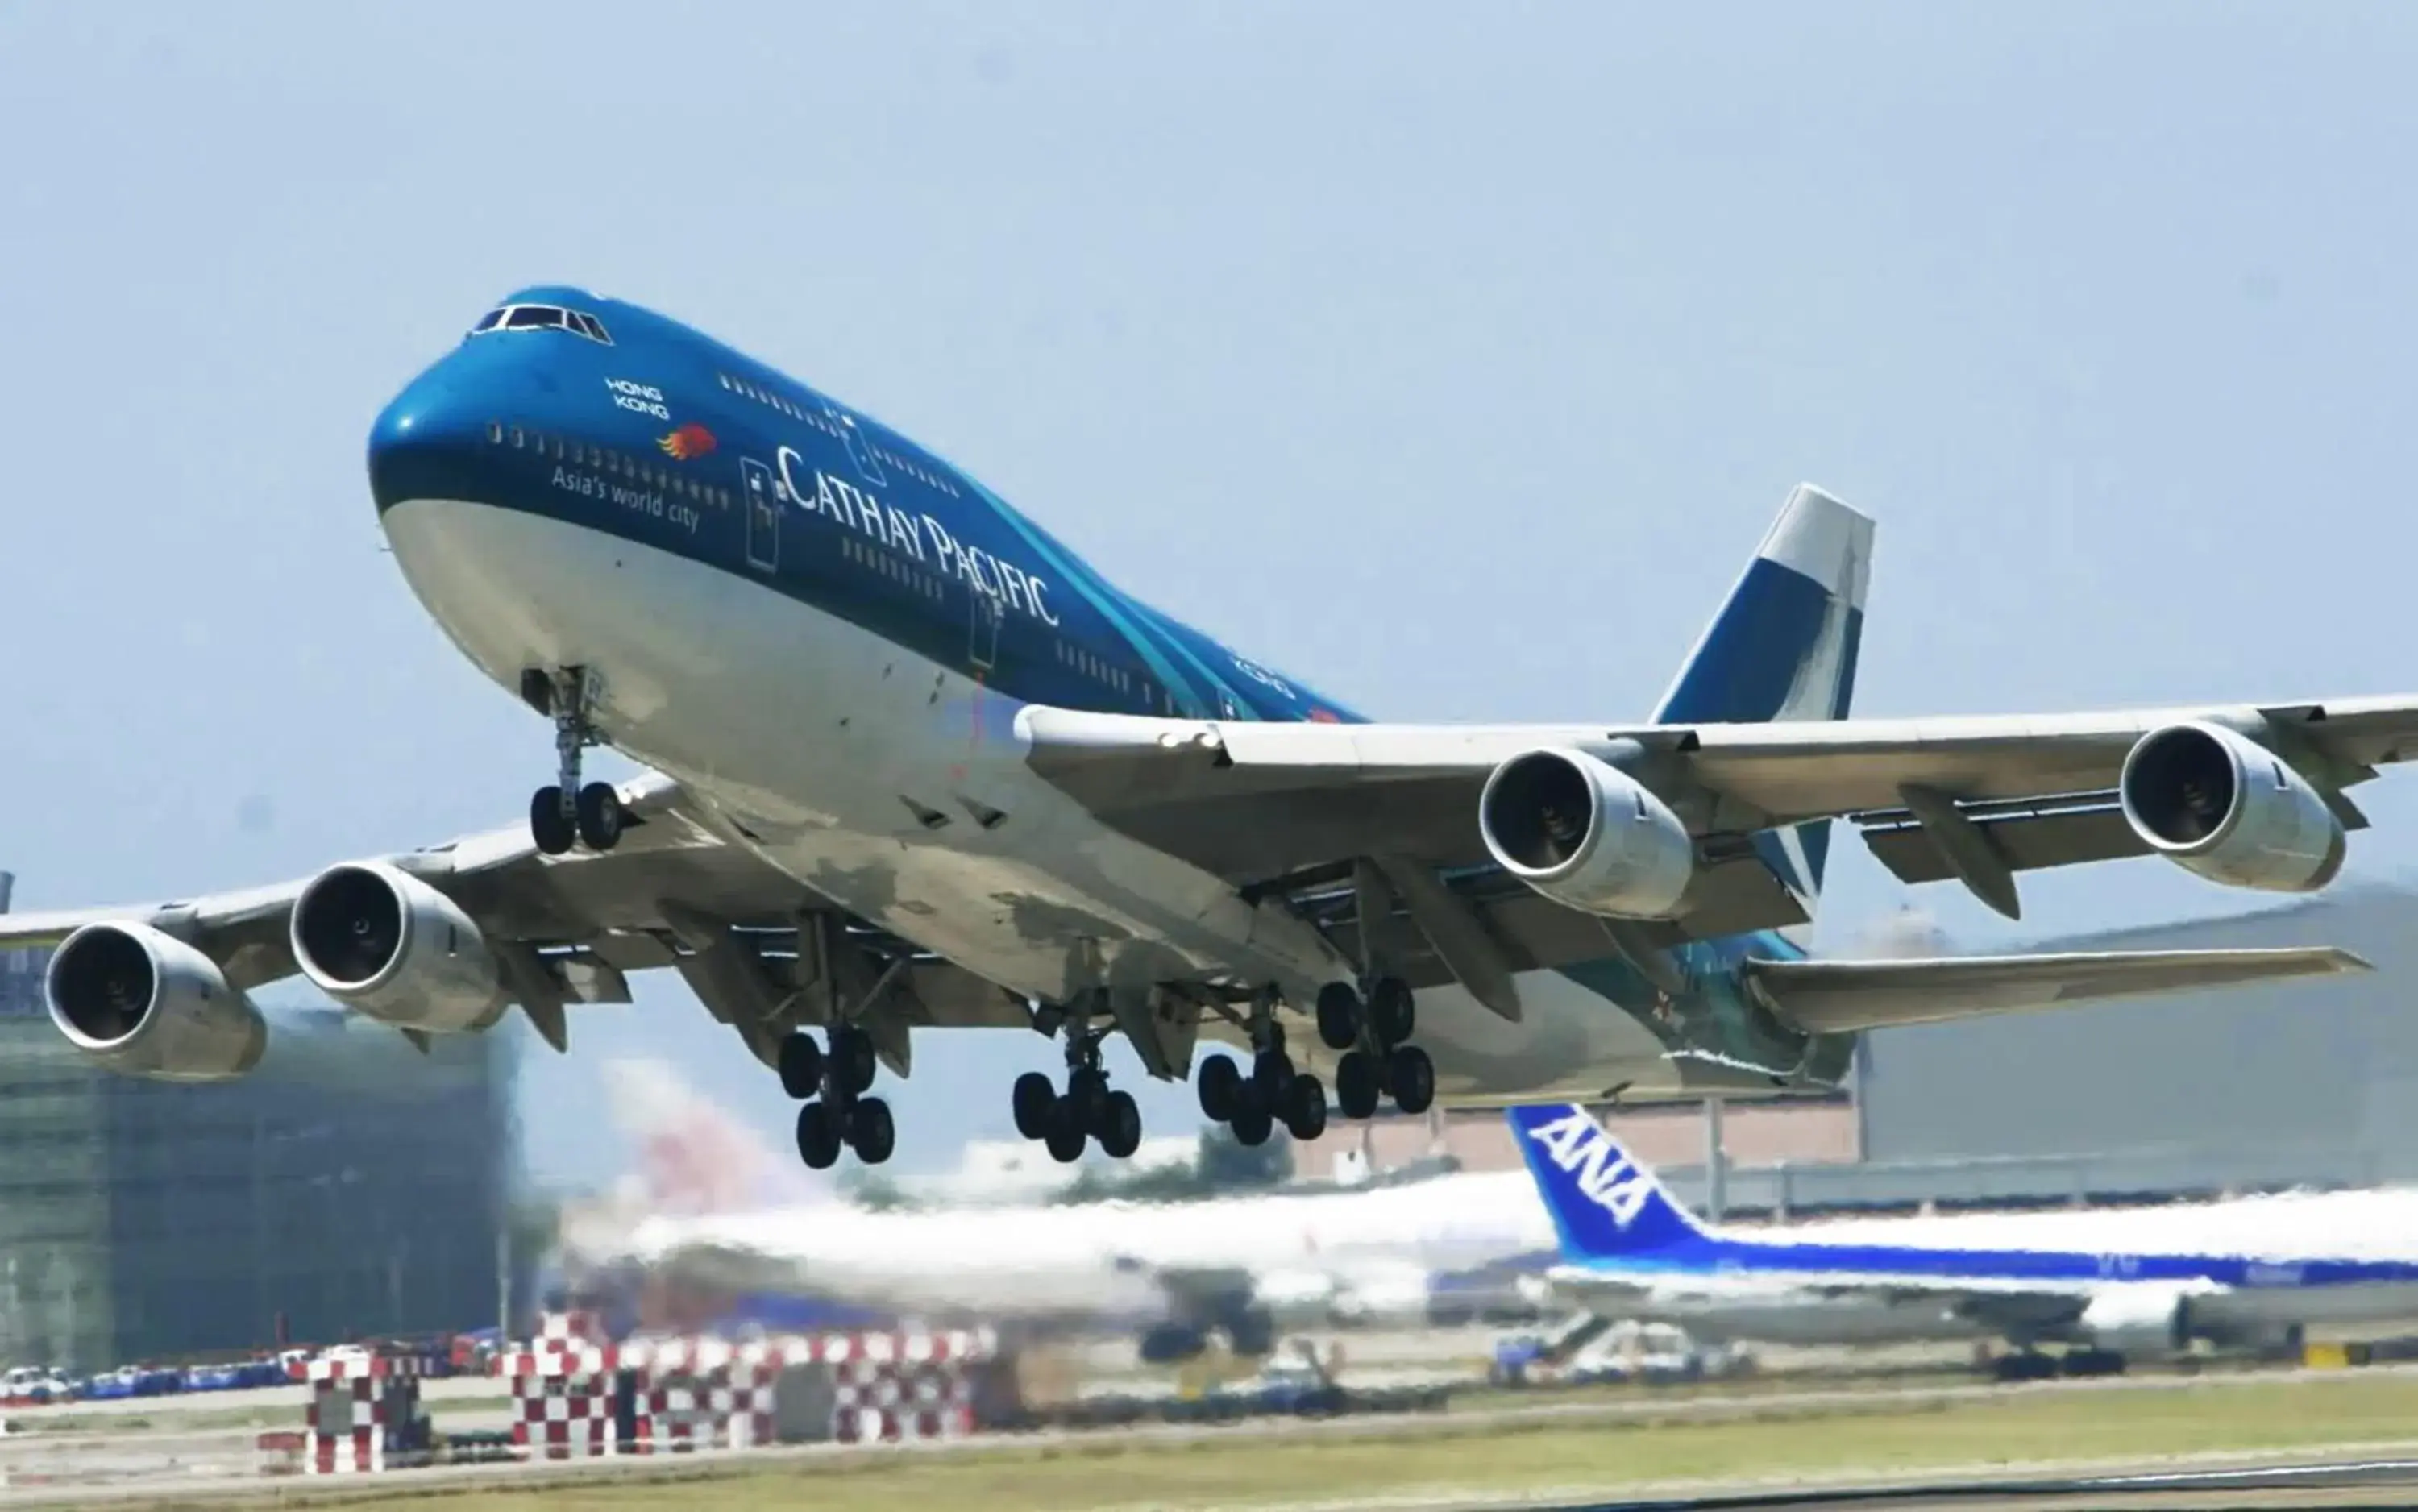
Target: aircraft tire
[(1220, 1083), (1065, 1136), (1339, 1016), (800, 1065), (601, 816), (1305, 1106), (851, 1055), (818, 1136), (872, 1133), (1413, 1076), (1034, 1100), (1252, 1123), (1355, 1085), (1272, 1072), (550, 829), (1121, 1128), (1391, 1011)]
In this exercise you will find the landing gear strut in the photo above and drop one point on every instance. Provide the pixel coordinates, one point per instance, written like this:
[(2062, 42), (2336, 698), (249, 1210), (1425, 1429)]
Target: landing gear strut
[(1273, 1093), (1373, 1033), (1088, 1108), (842, 1115), (567, 813)]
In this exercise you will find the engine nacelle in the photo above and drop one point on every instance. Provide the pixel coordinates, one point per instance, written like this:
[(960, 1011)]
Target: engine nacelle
[(2223, 806), (144, 1003), (2142, 1320), (385, 943), (1586, 834)]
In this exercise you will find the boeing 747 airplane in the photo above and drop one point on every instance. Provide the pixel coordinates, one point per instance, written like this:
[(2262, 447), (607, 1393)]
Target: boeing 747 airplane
[(2115, 1282), (913, 763)]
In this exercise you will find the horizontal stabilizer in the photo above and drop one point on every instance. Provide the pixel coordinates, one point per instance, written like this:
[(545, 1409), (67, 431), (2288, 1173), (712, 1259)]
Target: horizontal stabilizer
[(1839, 996)]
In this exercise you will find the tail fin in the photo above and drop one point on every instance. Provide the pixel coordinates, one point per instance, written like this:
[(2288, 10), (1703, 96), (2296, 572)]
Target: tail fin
[(1783, 647), (1604, 1204), (693, 1158)]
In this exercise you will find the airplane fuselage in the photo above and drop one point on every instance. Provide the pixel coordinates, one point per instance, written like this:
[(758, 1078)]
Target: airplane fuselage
[(826, 632)]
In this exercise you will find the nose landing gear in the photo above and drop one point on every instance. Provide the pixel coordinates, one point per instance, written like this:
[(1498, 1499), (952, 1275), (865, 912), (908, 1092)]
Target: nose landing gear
[(567, 813)]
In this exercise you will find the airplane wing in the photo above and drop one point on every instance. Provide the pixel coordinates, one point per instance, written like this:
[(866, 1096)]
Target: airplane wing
[(676, 891), (1836, 997), (1282, 806)]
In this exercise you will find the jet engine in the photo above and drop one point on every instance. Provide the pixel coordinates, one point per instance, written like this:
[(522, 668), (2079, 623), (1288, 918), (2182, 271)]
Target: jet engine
[(2226, 808), (2138, 1320), (382, 941), (144, 1003), (1586, 834)]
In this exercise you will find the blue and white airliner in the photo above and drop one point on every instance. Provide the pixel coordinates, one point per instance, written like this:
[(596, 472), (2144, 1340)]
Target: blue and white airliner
[(913, 763), (2114, 1282)]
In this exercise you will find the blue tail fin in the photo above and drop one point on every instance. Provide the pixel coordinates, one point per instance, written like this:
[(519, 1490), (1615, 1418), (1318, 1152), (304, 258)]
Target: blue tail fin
[(1783, 647), (1604, 1204)]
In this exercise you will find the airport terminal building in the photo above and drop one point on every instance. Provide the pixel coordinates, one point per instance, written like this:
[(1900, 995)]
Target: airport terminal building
[(2265, 1087), (348, 1187)]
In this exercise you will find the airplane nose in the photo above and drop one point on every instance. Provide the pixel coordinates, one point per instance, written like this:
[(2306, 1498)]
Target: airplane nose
[(425, 443)]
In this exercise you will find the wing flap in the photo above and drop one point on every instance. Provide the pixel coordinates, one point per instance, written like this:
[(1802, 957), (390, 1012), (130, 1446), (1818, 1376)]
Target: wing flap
[(2027, 835), (1840, 997)]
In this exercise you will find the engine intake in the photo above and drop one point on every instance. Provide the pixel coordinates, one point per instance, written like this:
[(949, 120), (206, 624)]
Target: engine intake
[(385, 943), (2223, 806), (144, 1003), (1586, 834)]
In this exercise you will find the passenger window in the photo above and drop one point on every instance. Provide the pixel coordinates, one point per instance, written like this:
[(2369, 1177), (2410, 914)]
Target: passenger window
[(495, 433), (517, 438)]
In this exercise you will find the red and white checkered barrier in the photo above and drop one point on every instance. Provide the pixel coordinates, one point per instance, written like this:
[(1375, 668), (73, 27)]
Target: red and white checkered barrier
[(362, 1410), (689, 1392)]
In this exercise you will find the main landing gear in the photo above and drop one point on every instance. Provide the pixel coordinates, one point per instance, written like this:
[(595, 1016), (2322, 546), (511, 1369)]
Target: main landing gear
[(1373, 1034), (567, 813), (843, 1115), (1088, 1109), (1273, 1093)]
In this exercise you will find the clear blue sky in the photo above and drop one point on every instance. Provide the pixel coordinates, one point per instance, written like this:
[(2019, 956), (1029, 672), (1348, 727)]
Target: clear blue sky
[(1451, 356)]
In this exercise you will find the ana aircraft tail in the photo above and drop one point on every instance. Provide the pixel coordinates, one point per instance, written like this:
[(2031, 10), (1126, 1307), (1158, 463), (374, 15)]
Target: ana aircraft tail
[(693, 1159), (1782, 647), (1604, 1204)]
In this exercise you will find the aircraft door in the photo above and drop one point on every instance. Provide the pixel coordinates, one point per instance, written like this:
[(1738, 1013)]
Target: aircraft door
[(763, 504), (983, 612)]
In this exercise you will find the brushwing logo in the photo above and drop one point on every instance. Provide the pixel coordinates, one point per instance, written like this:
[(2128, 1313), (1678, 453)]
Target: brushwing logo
[(1577, 1145), (687, 441)]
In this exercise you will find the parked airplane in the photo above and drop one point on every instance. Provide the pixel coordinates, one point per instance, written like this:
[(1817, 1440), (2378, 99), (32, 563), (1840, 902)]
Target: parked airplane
[(1241, 1266), (916, 764), (2117, 1282)]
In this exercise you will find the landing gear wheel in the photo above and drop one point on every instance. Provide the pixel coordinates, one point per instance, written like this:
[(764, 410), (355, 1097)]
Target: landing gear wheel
[(871, 1132), (549, 826), (1088, 1096), (1355, 1085), (1120, 1127), (1065, 1136), (1305, 1108), (802, 1066), (601, 815), (1251, 1124), (818, 1136), (1413, 1076), (1272, 1073), (1339, 1016), (851, 1057), (1034, 1100), (1220, 1085), (1391, 1013)]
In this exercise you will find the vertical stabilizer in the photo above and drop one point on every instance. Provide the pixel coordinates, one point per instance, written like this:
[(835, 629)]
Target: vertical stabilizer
[(1782, 647), (1604, 1204)]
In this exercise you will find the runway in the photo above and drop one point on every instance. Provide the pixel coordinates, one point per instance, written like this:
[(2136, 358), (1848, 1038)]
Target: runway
[(2349, 1482)]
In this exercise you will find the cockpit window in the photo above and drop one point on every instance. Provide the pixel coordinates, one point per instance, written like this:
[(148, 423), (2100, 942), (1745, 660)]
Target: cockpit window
[(542, 317)]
